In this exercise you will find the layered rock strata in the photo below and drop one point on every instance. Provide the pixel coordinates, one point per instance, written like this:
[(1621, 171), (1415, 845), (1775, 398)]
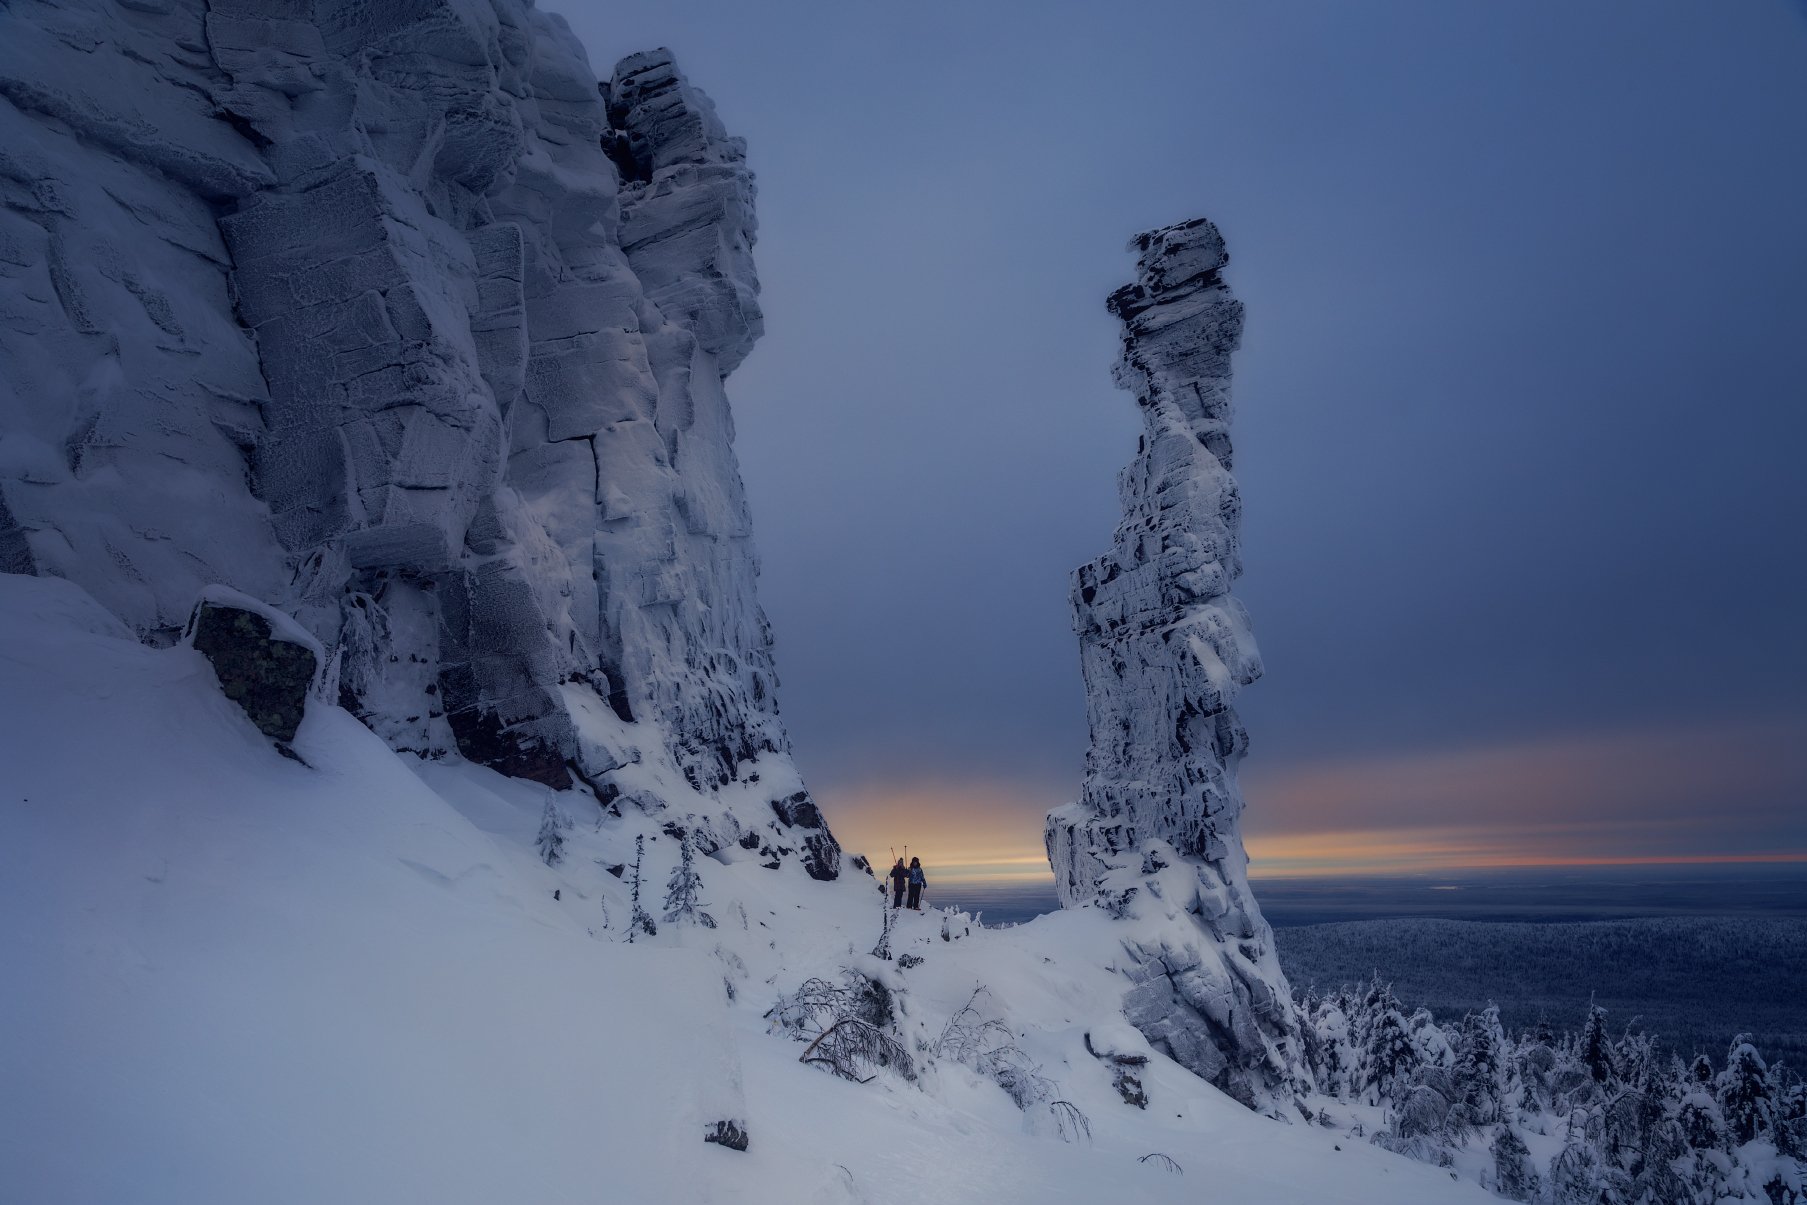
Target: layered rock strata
[(393, 317), (1165, 648)]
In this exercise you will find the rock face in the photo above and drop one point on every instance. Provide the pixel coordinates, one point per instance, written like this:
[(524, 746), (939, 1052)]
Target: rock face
[(395, 318), (1164, 650)]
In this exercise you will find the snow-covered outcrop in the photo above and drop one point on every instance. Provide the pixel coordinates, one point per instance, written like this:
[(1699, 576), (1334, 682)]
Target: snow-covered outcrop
[(394, 318), (1164, 649)]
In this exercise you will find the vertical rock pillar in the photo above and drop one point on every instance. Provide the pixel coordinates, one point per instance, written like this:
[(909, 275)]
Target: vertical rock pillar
[(1164, 649)]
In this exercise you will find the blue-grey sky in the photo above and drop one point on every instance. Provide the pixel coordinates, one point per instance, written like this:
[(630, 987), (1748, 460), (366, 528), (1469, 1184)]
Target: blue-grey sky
[(1522, 402)]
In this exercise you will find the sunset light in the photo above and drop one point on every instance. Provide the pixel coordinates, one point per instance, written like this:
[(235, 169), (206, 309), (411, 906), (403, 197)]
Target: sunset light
[(1037, 602), (1620, 798)]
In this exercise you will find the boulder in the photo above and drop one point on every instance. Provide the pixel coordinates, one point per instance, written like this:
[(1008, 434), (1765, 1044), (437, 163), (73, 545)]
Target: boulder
[(266, 674)]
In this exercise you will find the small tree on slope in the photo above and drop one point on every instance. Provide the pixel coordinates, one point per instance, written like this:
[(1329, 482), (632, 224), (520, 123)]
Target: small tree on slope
[(681, 889), (640, 922), (551, 841), (887, 917)]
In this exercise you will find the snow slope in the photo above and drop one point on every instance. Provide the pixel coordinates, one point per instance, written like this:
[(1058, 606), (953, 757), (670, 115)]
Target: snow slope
[(236, 977)]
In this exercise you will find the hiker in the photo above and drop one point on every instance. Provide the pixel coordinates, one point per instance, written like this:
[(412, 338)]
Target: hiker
[(900, 878), (917, 883)]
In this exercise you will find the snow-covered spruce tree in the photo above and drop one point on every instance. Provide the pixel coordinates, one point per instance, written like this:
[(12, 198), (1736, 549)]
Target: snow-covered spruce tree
[(1595, 1048), (1702, 1124), (1791, 1115), (1630, 1126), (1579, 1175), (1390, 1058), (1743, 1092), (1654, 1179), (681, 903), (1534, 1065), (553, 825), (1513, 1176), (1336, 1050), (1480, 1071), (1423, 1125)]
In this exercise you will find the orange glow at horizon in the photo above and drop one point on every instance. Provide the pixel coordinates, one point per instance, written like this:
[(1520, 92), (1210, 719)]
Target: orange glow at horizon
[(968, 830), (1734, 794), (1409, 851)]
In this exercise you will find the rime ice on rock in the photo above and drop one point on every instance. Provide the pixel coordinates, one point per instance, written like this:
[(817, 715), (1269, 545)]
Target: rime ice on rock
[(392, 317), (1164, 650)]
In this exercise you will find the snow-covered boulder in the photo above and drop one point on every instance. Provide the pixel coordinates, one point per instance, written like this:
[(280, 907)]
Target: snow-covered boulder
[(1164, 649), (396, 319)]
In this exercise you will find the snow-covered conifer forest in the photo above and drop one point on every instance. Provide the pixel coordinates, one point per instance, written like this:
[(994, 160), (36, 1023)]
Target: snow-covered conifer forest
[(1692, 982), (395, 804)]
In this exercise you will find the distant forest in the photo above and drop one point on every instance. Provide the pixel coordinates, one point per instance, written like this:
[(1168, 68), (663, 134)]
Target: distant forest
[(1692, 983)]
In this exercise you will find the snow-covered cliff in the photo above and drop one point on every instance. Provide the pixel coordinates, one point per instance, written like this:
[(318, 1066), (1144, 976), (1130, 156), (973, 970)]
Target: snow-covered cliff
[(1164, 649), (392, 317)]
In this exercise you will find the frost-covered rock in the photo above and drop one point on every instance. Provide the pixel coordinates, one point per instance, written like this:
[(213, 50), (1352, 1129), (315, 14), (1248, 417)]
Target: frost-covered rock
[(1164, 649), (394, 318)]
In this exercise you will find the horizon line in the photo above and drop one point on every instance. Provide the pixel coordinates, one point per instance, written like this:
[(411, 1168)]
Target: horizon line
[(1508, 862), (1037, 868)]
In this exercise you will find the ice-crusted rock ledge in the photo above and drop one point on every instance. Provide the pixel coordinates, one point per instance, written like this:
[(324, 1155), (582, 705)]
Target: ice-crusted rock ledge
[(1164, 649), (393, 317)]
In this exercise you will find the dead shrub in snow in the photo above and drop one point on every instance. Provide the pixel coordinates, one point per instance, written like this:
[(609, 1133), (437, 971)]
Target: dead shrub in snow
[(851, 1046), (988, 1046), (1069, 1122), (848, 1026)]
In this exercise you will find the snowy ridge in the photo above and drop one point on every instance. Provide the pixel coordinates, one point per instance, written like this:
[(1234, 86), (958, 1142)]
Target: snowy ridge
[(1164, 648), (236, 977), (393, 318)]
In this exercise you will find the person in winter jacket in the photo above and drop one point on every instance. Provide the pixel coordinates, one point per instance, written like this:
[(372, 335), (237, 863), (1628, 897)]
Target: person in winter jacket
[(900, 878), (917, 883)]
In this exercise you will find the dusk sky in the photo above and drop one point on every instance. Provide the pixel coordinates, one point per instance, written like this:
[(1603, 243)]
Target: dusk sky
[(1522, 404)]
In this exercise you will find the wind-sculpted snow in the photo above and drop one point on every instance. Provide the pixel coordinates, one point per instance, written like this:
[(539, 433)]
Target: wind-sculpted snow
[(1164, 650), (392, 317)]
